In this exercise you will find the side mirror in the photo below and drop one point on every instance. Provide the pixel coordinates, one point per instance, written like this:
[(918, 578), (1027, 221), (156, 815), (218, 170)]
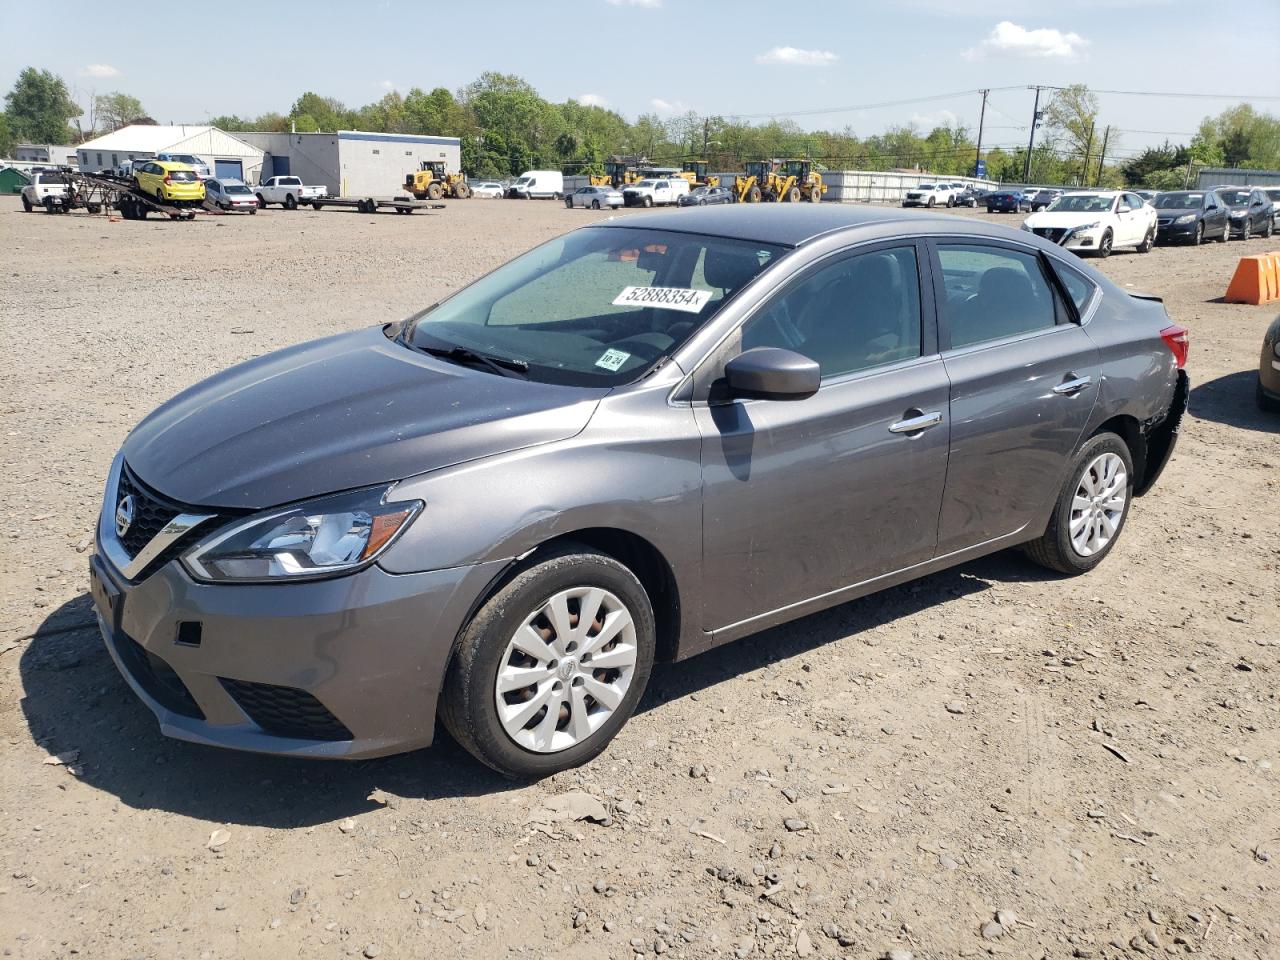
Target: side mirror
[(772, 373), (1124, 208), (1212, 206)]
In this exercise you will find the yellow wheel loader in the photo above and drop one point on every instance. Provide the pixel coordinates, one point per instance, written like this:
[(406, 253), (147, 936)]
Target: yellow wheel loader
[(695, 171), (430, 182)]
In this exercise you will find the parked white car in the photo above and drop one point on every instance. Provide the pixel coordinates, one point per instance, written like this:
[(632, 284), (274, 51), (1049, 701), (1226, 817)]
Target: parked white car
[(43, 186), (1096, 222), (288, 192), (930, 195), (594, 197), (655, 193), (487, 190)]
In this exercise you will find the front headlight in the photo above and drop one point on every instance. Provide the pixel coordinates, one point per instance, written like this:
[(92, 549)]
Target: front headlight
[(1185, 218), (1089, 226), (321, 538)]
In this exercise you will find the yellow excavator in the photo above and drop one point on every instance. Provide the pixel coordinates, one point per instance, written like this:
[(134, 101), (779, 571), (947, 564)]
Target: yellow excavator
[(430, 182), (695, 171)]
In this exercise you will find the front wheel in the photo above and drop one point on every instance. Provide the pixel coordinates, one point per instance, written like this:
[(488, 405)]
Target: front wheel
[(648, 201), (930, 203), (1199, 237), (1104, 245), (552, 665), (290, 202), (262, 201), (1091, 510), (26, 203)]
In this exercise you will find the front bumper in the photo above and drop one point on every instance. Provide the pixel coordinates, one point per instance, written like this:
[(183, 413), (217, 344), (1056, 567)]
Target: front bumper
[(1166, 232), (343, 668)]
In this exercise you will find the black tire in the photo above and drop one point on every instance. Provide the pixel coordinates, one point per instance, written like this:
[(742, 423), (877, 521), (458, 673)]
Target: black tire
[(461, 191), (1265, 403), (755, 195), (434, 190), (253, 210), (702, 202), (595, 204), (290, 202), (793, 195), (1226, 232), (1199, 237), (930, 203), (262, 202), (951, 202), (1148, 241), (1105, 245), (26, 204), (1271, 228), (648, 201), (467, 701), (568, 203), (1054, 549)]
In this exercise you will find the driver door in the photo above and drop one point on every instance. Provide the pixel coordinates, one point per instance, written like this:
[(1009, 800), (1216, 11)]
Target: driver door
[(802, 498)]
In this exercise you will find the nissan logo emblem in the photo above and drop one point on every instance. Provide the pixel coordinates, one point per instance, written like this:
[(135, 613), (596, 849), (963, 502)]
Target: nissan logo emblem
[(124, 515)]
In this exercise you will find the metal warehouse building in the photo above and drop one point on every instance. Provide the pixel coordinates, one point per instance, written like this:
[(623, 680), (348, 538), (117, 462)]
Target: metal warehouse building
[(226, 155), (351, 163)]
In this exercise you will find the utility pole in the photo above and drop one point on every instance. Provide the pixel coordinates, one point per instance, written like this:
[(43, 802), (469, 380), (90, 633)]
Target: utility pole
[(1186, 182), (1031, 142), (706, 136), (982, 116), (1088, 148), (1102, 157)]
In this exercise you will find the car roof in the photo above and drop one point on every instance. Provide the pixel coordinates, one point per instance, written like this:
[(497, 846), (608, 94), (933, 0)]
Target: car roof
[(174, 165), (793, 224)]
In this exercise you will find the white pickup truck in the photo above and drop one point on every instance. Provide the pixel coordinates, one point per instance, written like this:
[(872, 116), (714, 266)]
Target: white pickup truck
[(288, 192), (652, 193), (44, 186)]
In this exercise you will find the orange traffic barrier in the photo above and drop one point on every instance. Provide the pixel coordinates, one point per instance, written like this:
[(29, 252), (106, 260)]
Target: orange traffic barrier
[(1256, 280)]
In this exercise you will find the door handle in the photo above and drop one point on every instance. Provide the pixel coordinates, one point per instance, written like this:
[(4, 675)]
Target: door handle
[(917, 423), (1069, 388)]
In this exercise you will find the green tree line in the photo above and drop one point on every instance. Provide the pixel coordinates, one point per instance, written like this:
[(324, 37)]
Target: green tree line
[(505, 127)]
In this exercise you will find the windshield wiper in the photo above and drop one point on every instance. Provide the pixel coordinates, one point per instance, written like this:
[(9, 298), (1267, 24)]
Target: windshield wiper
[(503, 366)]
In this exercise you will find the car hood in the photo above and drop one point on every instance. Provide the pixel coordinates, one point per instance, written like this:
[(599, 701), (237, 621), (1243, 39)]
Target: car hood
[(1048, 218), (349, 411), (1176, 211)]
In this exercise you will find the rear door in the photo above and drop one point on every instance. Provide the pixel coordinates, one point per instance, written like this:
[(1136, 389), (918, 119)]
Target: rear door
[(804, 497), (1024, 377)]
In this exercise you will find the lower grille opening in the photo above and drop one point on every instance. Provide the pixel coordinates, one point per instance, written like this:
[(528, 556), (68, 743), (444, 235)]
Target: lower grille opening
[(157, 678), (286, 711)]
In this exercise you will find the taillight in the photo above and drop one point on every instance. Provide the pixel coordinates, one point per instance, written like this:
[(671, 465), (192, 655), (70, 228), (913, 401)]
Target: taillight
[(1178, 339)]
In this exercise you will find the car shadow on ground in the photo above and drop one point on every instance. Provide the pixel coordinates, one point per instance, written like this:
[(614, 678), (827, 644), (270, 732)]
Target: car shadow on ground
[(74, 699), (1230, 400)]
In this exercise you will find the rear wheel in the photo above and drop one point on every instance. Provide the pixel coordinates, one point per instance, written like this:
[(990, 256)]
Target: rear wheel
[(1091, 509), (552, 666), (951, 202), (461, 190), (1264, 402), (1271, 226), (568, 203), (815, 195), (595, 204), (290, 202), (1148, 241), (26, 203)]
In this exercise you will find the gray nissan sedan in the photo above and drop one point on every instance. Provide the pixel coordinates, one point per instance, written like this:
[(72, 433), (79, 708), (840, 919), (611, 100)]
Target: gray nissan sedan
[(637, 441)]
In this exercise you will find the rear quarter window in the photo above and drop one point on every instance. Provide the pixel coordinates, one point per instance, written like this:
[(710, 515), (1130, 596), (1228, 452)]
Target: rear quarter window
[(1079, 287)]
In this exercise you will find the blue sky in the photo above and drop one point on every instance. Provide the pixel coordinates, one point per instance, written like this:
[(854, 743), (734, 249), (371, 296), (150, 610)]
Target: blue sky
[(669, 56)]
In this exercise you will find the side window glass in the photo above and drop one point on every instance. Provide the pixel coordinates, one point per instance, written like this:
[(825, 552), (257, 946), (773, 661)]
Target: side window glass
[(993, 292), (858, 313), (1079, 288)]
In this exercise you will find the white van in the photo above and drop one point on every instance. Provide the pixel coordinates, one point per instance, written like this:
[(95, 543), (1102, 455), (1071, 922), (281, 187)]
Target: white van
[(538, 185)]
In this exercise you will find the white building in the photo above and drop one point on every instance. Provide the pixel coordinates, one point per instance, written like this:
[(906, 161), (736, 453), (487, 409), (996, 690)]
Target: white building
[(52, 153), (351, 163), (226, 155)]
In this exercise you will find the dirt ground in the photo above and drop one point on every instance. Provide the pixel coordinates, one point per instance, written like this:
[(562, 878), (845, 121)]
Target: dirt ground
[(989, 761)]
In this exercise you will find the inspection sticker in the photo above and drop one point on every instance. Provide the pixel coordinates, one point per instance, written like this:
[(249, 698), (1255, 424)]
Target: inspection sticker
[(668, 298), (612, 360)]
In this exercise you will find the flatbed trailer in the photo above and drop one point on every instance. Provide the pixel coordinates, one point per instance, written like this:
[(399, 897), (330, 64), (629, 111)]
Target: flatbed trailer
[(370, 205), (96, 192)]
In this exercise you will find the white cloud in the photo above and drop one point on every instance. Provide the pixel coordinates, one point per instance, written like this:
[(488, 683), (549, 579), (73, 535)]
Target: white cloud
[(387, 84), (593, 100), (669, 106), (99, 70), (939, 118), (794, 56), (636, 3), (1009, 39)]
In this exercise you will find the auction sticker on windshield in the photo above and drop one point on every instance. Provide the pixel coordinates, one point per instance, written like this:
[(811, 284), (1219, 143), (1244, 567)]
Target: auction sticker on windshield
[(612, 360), (668, 298)]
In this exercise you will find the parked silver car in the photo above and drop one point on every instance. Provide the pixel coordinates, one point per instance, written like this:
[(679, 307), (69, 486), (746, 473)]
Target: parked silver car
[(597, 198), (640, 440), (230, 195)]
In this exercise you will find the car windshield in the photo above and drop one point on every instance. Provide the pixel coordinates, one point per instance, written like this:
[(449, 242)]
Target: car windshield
[(1273, 194), (596, 307), (1177, 201), (646, 183), (1235, 198), (1081, 203), (926, 186)]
